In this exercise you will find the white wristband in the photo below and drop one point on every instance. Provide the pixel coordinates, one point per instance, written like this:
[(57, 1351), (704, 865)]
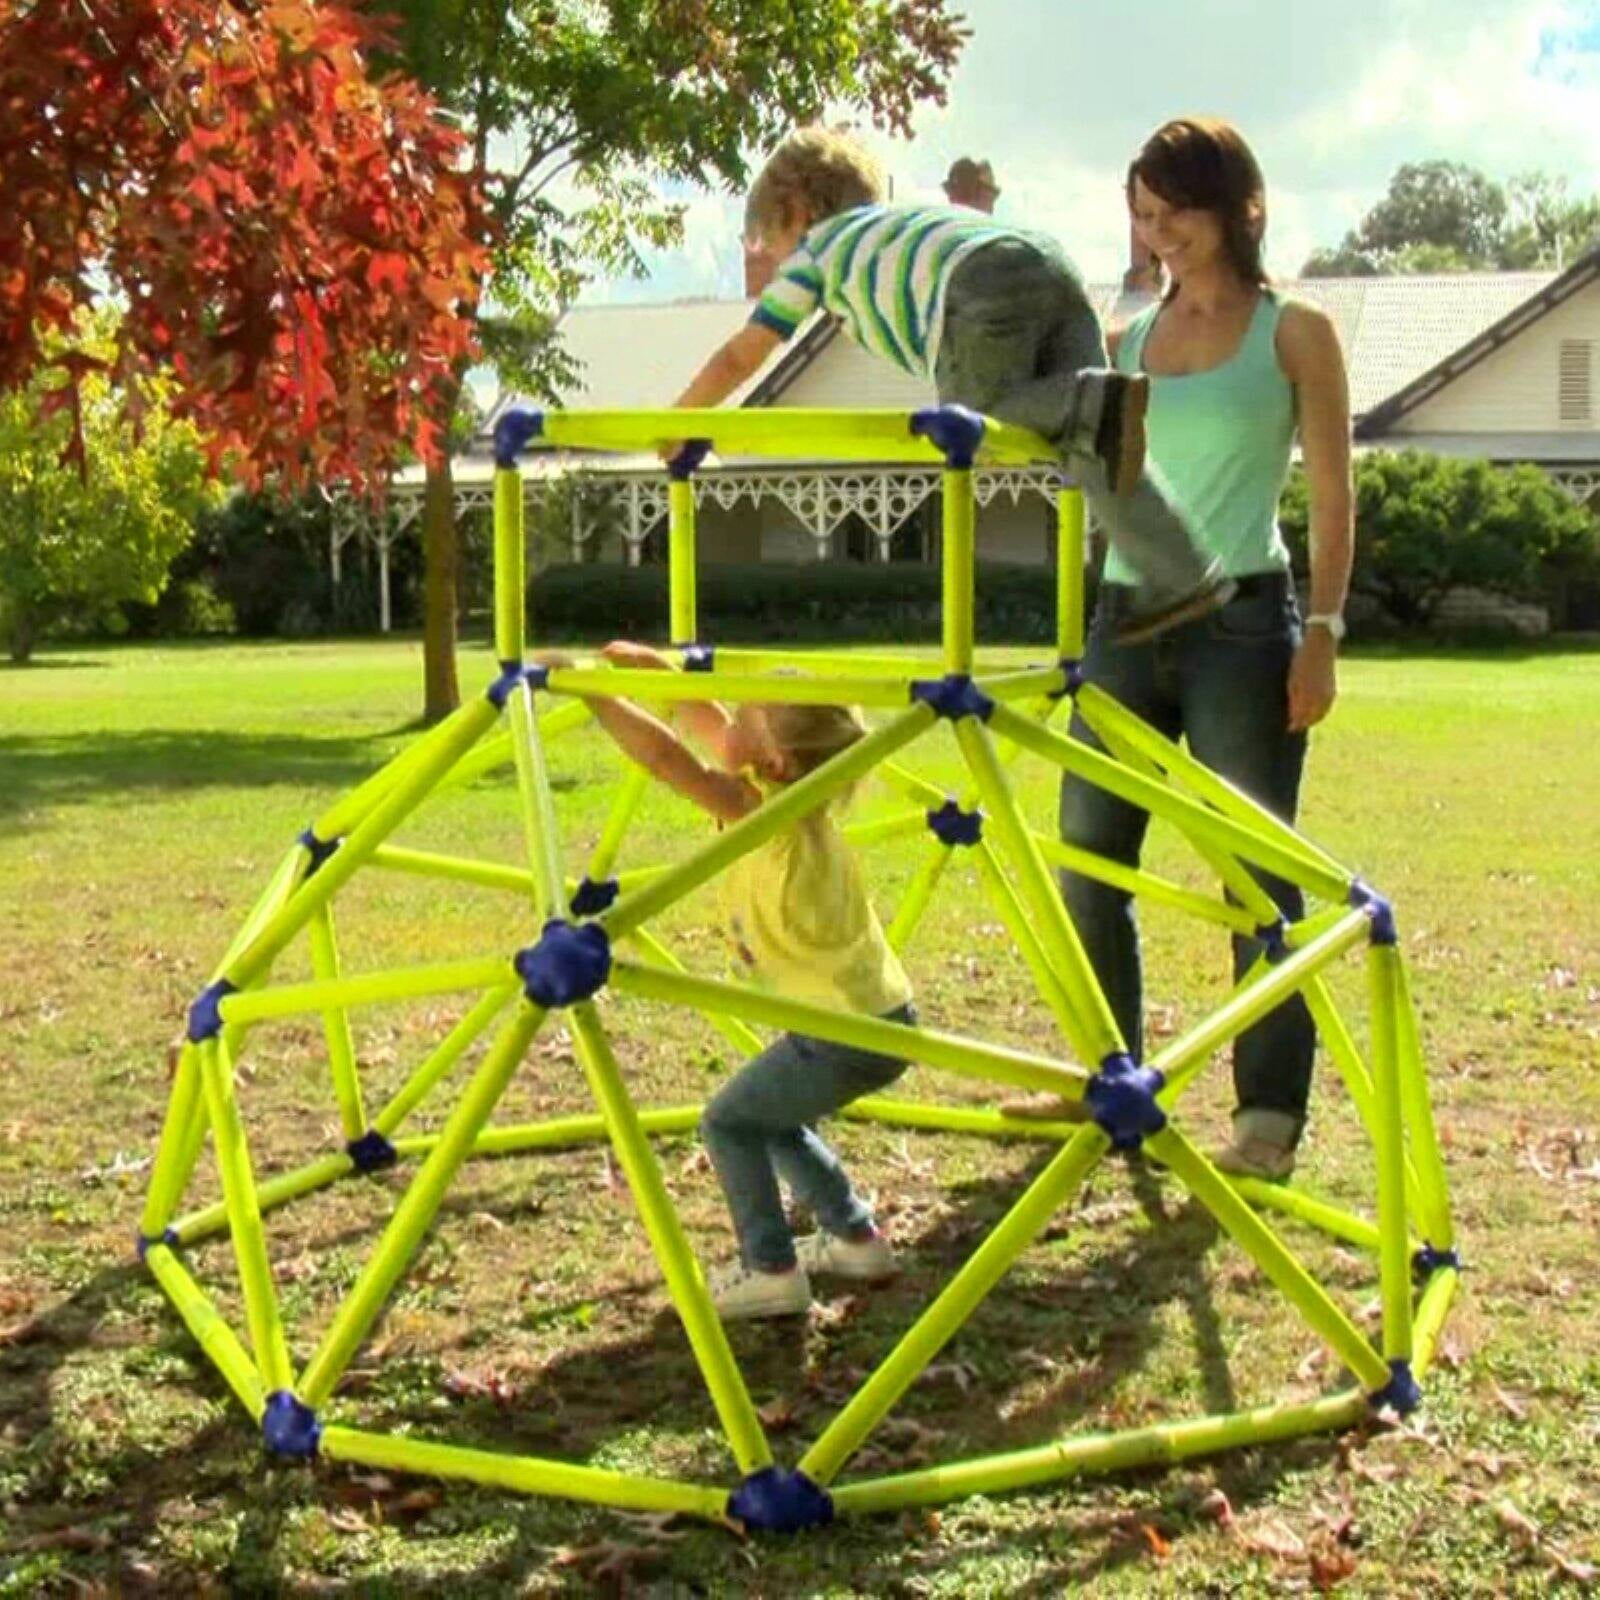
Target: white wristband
[(1331, 620)]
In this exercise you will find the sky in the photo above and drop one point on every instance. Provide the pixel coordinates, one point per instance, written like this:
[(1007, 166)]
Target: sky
[(1333, 96)]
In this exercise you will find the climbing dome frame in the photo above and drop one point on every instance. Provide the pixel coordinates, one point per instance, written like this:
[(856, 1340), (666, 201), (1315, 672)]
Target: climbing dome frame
[(996, 716)]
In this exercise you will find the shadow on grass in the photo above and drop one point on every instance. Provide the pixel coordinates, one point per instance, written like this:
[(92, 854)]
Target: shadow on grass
[(68, 769)]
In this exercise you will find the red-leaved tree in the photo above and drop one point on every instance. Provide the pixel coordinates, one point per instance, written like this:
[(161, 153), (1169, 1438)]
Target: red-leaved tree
[(293, 240)]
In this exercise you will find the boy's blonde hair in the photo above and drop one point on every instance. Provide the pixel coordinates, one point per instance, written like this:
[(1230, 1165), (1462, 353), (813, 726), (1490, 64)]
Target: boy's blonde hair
[(809, 736), (814, 173)]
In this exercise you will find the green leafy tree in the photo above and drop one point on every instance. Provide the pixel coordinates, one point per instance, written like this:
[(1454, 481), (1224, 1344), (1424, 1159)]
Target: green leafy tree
[(1426, 524), (575, 110), (77, 542), (1444, 216)]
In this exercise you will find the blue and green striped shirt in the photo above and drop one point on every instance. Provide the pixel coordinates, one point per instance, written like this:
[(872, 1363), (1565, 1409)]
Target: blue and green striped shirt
[(882, 270)]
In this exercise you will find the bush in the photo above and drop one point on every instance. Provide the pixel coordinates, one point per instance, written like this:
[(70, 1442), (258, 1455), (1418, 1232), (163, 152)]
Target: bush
[(814, 602), (1426, 524)]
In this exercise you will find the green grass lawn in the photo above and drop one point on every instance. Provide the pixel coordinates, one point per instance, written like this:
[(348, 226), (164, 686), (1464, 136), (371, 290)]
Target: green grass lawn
[(146, 794)]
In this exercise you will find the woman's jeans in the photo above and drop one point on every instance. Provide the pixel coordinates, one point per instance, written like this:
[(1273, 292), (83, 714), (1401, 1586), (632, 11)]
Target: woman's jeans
[(1220, 682), (757, 1128)]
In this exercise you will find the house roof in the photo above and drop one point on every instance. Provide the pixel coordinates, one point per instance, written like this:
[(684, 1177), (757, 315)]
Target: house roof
[(1398, 333)]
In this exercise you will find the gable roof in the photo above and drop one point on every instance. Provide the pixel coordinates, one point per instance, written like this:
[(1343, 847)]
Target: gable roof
[(1403, 337)]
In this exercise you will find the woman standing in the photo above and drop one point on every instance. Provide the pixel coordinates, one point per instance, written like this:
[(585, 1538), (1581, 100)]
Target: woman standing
[(1236, 370)]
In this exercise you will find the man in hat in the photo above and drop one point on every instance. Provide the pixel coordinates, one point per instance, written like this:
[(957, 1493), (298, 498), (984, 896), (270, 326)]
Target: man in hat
[(971, 183)]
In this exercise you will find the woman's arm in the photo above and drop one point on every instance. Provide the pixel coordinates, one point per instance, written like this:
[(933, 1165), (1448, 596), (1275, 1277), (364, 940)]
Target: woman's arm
[(1308, 348)]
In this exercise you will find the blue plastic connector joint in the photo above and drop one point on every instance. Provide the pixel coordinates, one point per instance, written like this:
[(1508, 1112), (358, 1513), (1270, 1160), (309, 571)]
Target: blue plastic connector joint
[(686, 463), (320, 850), (143, 1241), (1274, 936), (777, 1500), (514, 432), (952, 826), (1121, 1097), (1365, 898), (570, 963), (592, 898), (1402, 1394), (371, 1152), (205, 1015), (698, 657), (511, 674), (1426, 1261), (289, 1426), (954, 430), (954, 696), (1073, 668)]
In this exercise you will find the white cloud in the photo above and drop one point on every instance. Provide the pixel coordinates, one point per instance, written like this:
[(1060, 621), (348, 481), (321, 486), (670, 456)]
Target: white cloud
[(1333, 95)]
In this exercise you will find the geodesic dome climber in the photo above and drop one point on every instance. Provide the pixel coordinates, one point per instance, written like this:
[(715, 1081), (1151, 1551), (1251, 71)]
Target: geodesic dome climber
[(594, 933)]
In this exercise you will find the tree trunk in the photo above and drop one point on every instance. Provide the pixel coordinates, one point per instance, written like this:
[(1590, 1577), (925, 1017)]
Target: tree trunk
[(21, 630), (441, 692)]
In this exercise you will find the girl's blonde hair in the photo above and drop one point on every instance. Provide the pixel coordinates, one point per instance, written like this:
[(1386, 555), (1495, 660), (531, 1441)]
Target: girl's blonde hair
[(814, 173), (810, 736)]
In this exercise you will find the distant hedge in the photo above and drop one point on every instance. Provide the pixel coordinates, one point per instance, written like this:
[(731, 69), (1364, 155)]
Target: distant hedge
[(804, 603)]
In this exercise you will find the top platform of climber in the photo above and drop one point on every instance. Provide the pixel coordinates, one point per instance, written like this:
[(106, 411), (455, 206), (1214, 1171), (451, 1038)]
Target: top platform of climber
[(947, 434)]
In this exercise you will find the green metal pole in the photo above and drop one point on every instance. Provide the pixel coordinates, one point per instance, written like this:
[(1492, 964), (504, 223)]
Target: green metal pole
[(1165, 1444), (1433, 1190), (270, 1194), (958, 527), (918, 893), (244, 1215), (743, 1038), (510, 567), (390, 811), (960, 1297), (650, 685), (523, 1474), (415, 1213), (959, 1119), (685, 1281), (1009, 908), (681, 561), (623, 810), (1101, 712), (169, 1175), (777, 813), (336, 1027), (1431, 1312), (452, 1047), (1193, 818), (210, 1332), (455, 869), (364, 988), (988, 1063), (1297, 1203), (1389, 1139), (1069, 573), (541, 830), (559, 1133), (1136, 881), (1263, 1246), (1185, 1057), (1093, 1030)]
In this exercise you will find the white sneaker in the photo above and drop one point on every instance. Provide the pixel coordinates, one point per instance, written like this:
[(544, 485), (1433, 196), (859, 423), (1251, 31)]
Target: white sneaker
[(739, 1294), (1263, 1146), (869, 1260)]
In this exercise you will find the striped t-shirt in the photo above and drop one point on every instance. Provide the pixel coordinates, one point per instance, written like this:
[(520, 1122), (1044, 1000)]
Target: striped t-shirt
[(882, 270)]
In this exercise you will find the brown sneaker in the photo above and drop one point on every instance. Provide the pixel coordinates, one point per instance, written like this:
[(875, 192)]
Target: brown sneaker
[(1214, 593), (1262, 1146), (1119, 440)]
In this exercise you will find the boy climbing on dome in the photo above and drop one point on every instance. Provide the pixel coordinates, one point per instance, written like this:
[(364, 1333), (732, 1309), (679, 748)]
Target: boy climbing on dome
[(996, 317)]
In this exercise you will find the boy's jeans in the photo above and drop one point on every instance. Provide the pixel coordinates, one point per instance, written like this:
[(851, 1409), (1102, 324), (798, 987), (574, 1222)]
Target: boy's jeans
[(1018, 328), (758, 1128), (1222, 683)]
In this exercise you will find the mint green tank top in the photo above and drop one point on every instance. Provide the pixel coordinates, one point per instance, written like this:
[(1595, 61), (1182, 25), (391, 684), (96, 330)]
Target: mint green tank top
[(1221, 439)]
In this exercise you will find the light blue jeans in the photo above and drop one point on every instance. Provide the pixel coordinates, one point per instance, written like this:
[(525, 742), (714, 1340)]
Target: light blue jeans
[(757, 1128)]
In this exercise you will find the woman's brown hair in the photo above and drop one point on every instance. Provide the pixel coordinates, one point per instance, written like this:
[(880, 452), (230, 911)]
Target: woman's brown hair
[(1204, 164)]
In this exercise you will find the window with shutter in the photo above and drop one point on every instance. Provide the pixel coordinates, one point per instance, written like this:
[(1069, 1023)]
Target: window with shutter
[(1575, 384)]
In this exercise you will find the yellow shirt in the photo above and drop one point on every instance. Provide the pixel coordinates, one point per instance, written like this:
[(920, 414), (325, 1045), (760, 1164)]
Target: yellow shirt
[(801, 920)]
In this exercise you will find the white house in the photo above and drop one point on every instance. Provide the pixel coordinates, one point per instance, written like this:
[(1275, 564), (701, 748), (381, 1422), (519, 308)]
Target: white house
[(1497, 365)]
